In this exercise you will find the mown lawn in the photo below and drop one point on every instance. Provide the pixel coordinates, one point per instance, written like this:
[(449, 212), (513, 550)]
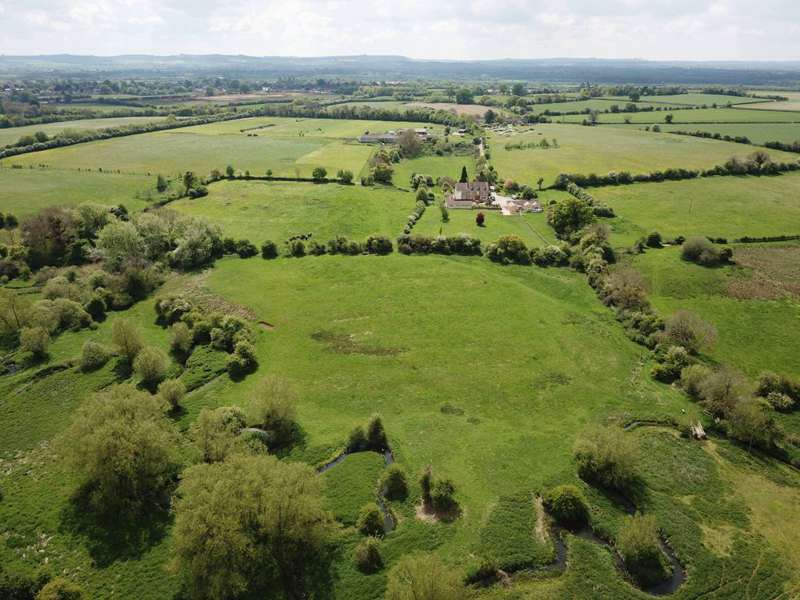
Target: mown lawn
[(604, 149), (729, 207), (261, 210)]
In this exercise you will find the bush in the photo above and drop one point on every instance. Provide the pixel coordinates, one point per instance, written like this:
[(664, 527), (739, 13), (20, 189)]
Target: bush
[(378, 244), (509, 249), (182, 339), (357, 441), (245, 249), (35, 340), (367, 555), (319, 173), (127, 339), (273, 409), (701, 251), (443, 496), (692, 378), (654, 240), (780, 402), (296, 248), (394, 483), (424, 577), (93, 356), (243, 359), (769, 382), (344, 176), (151, 365), (640, 548), (172, 391), (671, 364), (722, 390), (567, 505), (376, 435), (370, 520), (607, 456), (60, 589), (269, 250), (686, 329)]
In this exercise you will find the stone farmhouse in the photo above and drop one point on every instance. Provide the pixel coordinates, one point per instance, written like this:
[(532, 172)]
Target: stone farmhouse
[(466, 195)]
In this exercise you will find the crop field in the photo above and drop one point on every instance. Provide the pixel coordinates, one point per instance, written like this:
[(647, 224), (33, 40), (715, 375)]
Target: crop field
[(754, 304), (296, 146), (715, 206), (11, 135), (604, 149), (757, 133), (260, 210), (694, 115), (26, 191)]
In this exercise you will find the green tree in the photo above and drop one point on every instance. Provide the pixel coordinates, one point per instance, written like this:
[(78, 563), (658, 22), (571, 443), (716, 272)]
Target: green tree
[(568, 216), (464, 177), (249, 524), (640, 548), (216, 432), (519, 89), (189, 180), (151, 365), (161, 184), (120, 442), (127, 339), (424, 577), (230, 171), (272, 408), (409, 143), (172, 392), (35, 340), (60, 589), (465, 96), (684, 328), (607, 456), (319, 173)]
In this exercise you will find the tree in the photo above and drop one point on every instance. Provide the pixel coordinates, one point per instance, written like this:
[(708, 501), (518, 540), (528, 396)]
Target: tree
[(480, 219), (640, 548), (249, 524), (376, 435), (606, 455), (752, 421), (127, 339), (345, 177), (668, 119), (93, 356), (409, 143), (424, 577), (568, 216), (216, 432), (539, 182), (182, 339), (686, 329), (370, 520), (394, 483), (465, 96), (161, 184), (464, 177), (490, 117), (151, 365), (519, 89), (172, 392), (319, 174), (121, 244), (60, 589), (567, 505), (48, 235), (230, 171), (368, 555), (272, 408), (35, 340), (189, 180), (121, 443)]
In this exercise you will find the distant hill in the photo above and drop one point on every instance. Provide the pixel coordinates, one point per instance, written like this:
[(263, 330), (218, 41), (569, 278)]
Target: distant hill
[(567, 70)]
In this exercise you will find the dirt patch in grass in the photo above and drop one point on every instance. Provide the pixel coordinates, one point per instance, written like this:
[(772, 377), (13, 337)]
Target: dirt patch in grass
[(343, 343), (774, 273)]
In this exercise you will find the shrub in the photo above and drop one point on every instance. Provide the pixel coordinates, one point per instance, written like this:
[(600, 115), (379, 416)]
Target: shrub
[(443, 496), (769, 382), (722, 390), (394, 483), (376, 435), (378, 244), (243, 358), (172, 391), (567, 505), (370, 520), (127, 339), (640, 548), (216, 432), (96, 307), (319, 173), (245, 249), (182, 339), (296, 248), (686, 329), (425, 577), (151, 365), (269, 250), (780, 402), (35, 340), (344, 176), (509, 249), (479, 219), (674, 360), (692, 378), (60, 589), (654, 240), (273, 408), (357, 440), (426, 483), (93, 356), (607, 456), (752, 421), (367, 555), (701, 251)]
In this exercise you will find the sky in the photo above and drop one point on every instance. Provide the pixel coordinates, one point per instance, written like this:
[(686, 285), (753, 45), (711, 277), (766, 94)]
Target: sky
[(445, 29)]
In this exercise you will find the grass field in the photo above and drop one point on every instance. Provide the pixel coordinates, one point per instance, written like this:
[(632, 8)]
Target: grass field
[(716, 206), (696, 99), (259, 210), (758, 133), (603, 149), (26, 191), (288, 147), (755, 304), (435, 166), (694, 115), (11, 135)]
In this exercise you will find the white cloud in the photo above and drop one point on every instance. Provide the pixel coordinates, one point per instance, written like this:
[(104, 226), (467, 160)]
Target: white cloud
[(657, 29)]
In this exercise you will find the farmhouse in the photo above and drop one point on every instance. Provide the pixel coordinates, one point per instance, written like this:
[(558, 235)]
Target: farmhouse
[(465, 195), (390, 137)]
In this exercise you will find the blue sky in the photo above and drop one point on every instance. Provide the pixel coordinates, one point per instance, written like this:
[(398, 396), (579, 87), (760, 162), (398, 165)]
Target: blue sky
[(467, 29)]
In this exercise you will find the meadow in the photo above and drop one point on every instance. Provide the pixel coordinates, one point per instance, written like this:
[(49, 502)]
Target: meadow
[(715, 206), (601, 150), (12, 135), (287, 147), (694, 115), (757, 133), (754, 304), (260, 210)]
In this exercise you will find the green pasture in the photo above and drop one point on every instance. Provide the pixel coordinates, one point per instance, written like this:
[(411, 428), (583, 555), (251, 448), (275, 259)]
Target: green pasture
[(598, 104), (692, 115), (260, 210), (697, 99), (757, 133), (26, 191), (604, 149), (727, 207), (435, 166), (11, 135)]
